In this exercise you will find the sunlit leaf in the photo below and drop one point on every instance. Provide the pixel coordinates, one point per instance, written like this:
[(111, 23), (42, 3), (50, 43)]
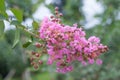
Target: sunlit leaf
[(18, 14), (3, 14), (2, 6), (35, 25)]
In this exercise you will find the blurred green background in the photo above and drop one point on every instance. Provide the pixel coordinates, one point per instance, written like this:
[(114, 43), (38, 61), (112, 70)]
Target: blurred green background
[(15, 65)]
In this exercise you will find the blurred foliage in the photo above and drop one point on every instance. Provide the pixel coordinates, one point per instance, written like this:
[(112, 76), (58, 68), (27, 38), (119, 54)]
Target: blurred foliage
[(107, 30), (11, 58), (73, 11), (25, 5)]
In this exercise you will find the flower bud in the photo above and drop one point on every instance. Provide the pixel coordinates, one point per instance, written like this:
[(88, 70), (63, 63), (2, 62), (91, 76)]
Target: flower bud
[(38, 45), (40, 62), (37, 55), (56, 20), (32, 63), (31, 59), (56, 12), (56, 8), (93, 55), (33, 53), (60, 14), (36, 66), (51, 17)]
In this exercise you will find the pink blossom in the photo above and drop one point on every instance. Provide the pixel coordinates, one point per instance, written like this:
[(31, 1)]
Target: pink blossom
[(84, 63), (98, 61), (87, 50), (50, 51), (94, 39), (91, 61), (80, 58)]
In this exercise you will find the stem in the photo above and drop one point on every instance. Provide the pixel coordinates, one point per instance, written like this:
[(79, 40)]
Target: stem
[(22, 28), (34, 35)]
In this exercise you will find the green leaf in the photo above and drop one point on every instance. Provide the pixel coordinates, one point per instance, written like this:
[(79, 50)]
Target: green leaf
[(2, 6), (25, 45), (15, 22), (18, 14), (31, 37), (3, 14), (17, 38), (1, 28), (35, 25)]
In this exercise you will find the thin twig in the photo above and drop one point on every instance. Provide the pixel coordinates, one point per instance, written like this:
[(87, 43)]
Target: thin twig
[(34, 35)]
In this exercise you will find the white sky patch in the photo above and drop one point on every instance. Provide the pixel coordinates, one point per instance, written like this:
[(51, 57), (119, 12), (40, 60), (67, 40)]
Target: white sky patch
[(7, 24), (90, 8), (48, 2), (27, 22), (9, 13), (41, 12)]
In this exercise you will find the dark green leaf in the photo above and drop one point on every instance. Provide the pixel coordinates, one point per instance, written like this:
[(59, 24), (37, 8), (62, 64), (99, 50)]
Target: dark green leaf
[(17, 38), (31, 38), (1, 28), (27, 44), (35, 25), (15, 22), (18, 14), (2, 17)]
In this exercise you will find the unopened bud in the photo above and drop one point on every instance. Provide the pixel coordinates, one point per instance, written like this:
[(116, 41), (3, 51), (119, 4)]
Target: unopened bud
[(51, 17), (38, 45), (36, 66), (44, 51), (40, 62), (31, 59), (93, 55), (56, 12), (106, 48), (32, 63), (56, 8), (37, 55), (56, 20), (60, 14), (59, 21), (53, 20), (33, 53)]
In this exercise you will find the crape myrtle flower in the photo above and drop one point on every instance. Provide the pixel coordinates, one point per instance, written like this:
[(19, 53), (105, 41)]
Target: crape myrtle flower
[(66, 44)]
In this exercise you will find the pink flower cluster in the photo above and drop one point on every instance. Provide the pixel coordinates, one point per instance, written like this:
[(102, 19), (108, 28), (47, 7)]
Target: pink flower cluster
[(66, 44)]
